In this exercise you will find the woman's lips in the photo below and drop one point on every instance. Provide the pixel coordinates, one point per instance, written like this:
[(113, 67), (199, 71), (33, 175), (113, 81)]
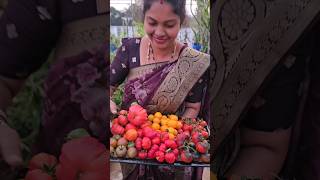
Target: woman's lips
[(160, 40)]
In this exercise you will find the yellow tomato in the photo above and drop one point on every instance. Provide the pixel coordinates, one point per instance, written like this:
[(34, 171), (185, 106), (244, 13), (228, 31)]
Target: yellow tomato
[(172, 123), (155, 126), (171, 130), (156, 120), (158, 115), (173, 117), (164, 128), (175, 132), (164, 116), (151, 117)]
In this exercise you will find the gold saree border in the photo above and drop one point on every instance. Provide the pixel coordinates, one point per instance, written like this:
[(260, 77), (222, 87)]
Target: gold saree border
[(265, 47), (190, 66)]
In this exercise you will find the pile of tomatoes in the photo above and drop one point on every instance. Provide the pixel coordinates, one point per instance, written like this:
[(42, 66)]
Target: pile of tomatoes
[(165, 138)]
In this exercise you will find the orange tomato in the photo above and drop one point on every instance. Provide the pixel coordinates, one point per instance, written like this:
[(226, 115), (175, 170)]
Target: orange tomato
[(155, 126), (173, 117), (179, 124), (172, 123), (171, 136), (164, 116), (164, 128), (164, 122), (131, 135), (156, 120)]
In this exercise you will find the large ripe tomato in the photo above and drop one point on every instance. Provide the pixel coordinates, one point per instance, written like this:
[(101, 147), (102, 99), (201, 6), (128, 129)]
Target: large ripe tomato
[(131, 135), (137, 115), (83, 159), (37, 174), (42, 161)]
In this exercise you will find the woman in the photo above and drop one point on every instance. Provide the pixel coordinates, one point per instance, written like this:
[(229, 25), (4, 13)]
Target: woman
[(74, 90), (259, 88), (162, 74)]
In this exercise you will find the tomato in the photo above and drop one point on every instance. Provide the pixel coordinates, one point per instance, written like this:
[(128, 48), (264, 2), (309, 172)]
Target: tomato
[(37, 174), (122, 120), (131, 135), (83, 159), (202, 147), (186, 157), (146, 143), (129, 126), (137, 115), (42, 161), (170, 157), (117, 129), (142, 154), (159, 156), (121, 151), (132, 152), (113, 142)]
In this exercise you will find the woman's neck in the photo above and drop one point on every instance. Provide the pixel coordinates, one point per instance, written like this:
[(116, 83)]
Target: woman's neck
[(164, 53)]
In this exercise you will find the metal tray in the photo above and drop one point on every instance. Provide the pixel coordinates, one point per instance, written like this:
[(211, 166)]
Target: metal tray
[(156, 163)]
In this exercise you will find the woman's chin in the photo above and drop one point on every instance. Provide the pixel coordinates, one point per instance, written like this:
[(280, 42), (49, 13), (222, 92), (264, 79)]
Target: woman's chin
[(160, 45)]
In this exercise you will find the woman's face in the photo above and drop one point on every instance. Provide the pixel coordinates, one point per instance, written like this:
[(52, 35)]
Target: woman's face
[(161, 25)]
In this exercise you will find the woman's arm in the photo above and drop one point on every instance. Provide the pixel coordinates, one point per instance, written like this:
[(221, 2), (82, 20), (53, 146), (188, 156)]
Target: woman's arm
[(262, 154), (9, 138)]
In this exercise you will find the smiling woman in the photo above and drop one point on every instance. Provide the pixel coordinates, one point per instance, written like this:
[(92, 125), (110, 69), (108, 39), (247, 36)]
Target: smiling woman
[(162, 74)]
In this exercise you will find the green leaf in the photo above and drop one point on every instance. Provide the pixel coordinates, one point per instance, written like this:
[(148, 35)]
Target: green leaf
[(77, 133)]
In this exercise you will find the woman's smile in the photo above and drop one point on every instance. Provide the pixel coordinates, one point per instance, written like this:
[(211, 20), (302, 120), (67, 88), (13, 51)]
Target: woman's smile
[(160, 40)]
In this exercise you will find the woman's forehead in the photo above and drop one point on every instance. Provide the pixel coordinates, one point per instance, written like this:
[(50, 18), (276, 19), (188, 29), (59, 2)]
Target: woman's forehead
[(161, 12)]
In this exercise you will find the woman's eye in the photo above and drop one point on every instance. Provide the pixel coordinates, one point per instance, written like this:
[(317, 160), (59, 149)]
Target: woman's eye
[(169, 26), (152, 24)]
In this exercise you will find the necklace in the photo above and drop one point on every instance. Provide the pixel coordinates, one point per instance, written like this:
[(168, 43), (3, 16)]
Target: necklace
[(150, 51)]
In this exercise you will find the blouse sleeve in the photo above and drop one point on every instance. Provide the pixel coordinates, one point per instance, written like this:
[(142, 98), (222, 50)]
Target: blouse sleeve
[(28, 33), (197, 92), (119, 68)]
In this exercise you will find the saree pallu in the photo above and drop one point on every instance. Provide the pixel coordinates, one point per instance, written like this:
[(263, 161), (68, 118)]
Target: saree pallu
[(244, 57), (74, 97), (163, 87), (75, 90)]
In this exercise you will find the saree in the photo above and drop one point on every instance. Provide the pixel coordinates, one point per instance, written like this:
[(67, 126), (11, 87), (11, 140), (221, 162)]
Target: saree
[(163, 87), (246, 50), (75, 88)]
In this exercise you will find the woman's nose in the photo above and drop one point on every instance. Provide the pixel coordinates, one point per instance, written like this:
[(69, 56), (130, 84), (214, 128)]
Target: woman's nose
[(159, 31)]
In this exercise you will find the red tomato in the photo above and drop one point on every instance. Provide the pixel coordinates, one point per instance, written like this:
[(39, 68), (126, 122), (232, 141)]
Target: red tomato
[(37, 174), (83, 158)]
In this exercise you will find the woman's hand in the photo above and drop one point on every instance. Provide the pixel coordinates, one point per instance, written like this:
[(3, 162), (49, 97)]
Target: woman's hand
[(113, 107), (10, 146)]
